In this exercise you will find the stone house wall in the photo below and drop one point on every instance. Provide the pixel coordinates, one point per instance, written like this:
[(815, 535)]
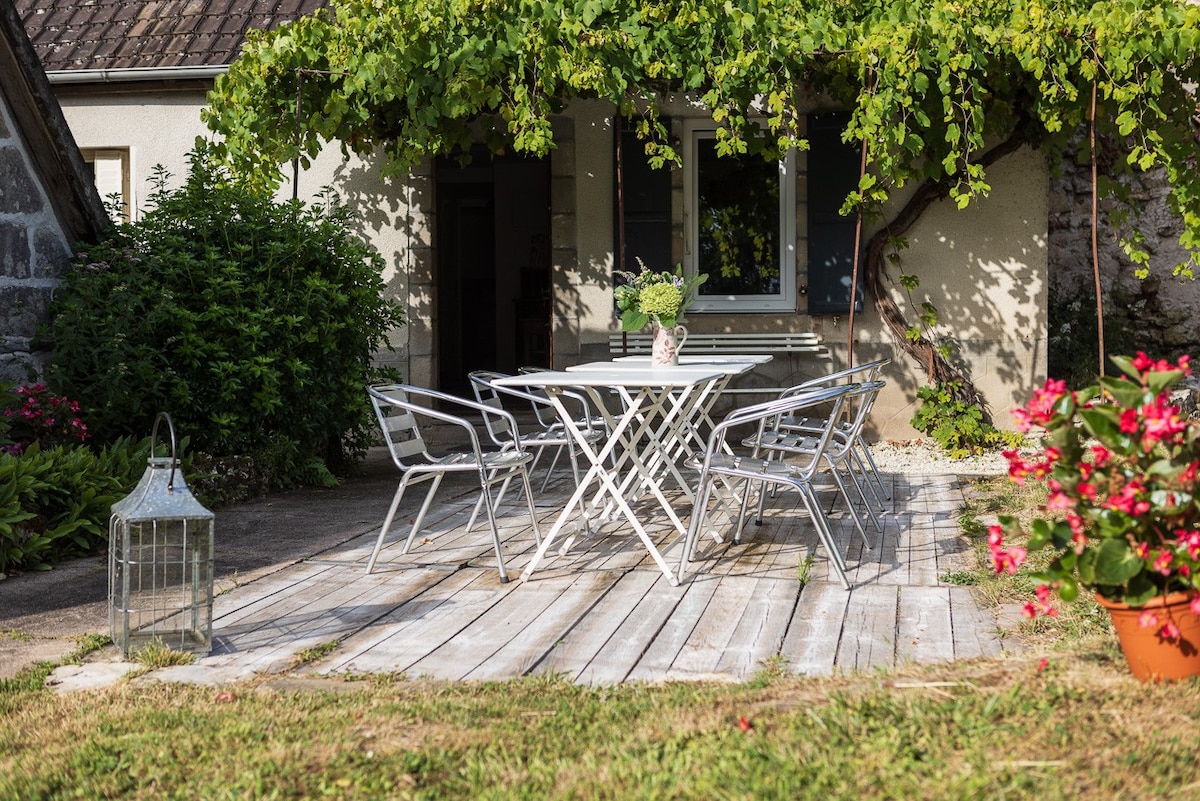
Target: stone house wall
[(34, 250), (1159, 314)]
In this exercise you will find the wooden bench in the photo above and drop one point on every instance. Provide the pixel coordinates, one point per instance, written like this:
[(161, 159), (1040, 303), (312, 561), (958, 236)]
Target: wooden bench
[(639, 344)]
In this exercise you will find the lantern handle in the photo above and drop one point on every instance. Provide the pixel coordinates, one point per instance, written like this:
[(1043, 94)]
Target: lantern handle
[(153, 439)]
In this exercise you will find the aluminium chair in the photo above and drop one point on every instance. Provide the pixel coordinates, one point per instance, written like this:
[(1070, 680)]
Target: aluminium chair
[(550, 434), (860, 454), (782, 440), (400, 408), (719, 460)]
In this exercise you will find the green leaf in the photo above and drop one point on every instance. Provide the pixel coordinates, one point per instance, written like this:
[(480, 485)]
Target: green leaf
[(1116, 562)]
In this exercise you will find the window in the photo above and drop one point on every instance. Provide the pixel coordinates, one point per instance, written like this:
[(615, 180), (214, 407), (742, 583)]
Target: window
[(110, 172), (739, 224)]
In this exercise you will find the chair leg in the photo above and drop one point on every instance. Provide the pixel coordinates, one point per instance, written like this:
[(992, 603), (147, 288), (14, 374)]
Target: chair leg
[(823, 532), (836, 474), (486, 497), (537, 534), (479, 503), (416, 526), (387, 524), (587, 523), (699, 514), (857, 464), (858, 485), (550, 469), (874, 470)]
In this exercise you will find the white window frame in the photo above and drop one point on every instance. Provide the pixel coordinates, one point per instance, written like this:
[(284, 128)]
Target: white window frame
[(112, 167), (785, 300)]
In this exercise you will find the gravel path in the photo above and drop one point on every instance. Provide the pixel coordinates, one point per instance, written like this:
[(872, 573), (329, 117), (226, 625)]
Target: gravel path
[(926, 457)]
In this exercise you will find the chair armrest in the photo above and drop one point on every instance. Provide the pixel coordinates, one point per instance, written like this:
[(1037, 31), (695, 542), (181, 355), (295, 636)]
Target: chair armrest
[(445, 417)]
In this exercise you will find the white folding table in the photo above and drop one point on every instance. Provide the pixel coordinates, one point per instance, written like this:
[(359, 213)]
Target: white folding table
[(657, 406), (693, 431)]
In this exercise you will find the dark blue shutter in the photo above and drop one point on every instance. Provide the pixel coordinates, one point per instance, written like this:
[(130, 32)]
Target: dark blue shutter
[(833, 168)]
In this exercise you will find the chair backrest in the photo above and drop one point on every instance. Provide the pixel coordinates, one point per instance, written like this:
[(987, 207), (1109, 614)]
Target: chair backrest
[(398, 423), (544, 412), (768, 413), (481, 385), (862, 400), (868, 371)]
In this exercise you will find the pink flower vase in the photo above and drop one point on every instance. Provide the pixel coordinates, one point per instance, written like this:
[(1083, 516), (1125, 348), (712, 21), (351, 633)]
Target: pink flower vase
[(667, 342)]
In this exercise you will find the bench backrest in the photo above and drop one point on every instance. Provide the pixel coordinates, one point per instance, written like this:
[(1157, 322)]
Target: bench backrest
[(640, 343)]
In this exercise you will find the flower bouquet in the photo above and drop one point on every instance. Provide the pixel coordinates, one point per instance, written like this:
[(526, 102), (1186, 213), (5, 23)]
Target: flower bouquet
[(1121, 464), (650, 297)]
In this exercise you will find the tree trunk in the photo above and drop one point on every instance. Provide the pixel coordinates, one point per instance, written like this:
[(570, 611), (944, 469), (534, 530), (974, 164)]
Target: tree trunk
[(937, 368)]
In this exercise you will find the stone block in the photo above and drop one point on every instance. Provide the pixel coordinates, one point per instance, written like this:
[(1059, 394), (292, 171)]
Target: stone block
[(15, 258), (21, 193), (50, 256), (23, 309)]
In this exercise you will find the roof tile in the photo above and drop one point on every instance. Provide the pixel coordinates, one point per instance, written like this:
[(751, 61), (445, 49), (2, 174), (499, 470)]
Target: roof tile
[(115, 34)]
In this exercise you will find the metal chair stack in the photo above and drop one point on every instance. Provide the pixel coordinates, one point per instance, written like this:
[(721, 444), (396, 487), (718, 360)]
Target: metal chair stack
[(718, 460)]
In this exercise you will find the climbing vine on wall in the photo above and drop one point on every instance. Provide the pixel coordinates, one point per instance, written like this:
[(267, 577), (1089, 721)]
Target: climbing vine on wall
[(939, 89)]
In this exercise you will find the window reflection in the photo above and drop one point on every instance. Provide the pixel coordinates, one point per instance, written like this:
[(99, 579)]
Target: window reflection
[(738, 221)]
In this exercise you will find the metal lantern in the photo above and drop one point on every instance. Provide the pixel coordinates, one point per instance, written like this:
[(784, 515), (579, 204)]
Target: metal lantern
[(160, 563)]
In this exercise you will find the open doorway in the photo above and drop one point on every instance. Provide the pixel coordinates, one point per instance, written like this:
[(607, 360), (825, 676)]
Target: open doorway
[(493, 266)]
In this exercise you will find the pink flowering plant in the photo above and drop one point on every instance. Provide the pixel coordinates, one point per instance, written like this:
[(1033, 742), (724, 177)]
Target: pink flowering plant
[(1120, 464), (33, 414)]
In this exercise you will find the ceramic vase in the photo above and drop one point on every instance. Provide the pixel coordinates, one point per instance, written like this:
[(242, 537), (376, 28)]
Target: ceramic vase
[(1151, 657), (667, 343)]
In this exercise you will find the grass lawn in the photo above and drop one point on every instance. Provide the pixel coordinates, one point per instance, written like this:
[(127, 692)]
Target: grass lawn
[(1077, 726)]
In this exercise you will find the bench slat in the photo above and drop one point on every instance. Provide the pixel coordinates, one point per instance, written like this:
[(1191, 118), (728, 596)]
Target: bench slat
[(638, 343)]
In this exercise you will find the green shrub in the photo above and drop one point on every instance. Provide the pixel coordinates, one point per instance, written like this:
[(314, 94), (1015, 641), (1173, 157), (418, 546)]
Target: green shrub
[(55, 503), (253, 322), (956, 423)]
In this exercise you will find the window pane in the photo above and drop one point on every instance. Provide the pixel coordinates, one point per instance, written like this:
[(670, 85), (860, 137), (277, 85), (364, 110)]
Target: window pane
[(738, 221)]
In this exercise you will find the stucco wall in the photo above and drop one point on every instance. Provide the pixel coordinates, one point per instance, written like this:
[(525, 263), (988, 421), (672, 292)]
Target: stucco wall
[(161, 129)]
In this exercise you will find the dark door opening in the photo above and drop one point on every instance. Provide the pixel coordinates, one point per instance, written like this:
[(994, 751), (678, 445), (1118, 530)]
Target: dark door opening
[(493, 267)]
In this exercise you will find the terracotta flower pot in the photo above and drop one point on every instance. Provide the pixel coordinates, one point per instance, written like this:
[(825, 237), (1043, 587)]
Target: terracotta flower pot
[(1152, 657)]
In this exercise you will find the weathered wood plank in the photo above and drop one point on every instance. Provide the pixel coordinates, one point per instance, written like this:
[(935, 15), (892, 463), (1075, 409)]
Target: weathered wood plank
[(760, 632), (811, 643), (617, 658), (415, 629), (975, 630), (869, 630), (527, 648), (571, 655), (924, 633), (396, 639), (669, 641), (479, 640)]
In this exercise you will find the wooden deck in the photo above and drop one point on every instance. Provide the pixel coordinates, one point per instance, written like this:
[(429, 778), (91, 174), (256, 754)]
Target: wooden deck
[(603, 612)]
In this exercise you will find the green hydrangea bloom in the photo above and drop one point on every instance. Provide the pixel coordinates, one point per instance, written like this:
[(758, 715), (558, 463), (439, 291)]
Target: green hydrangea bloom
[(660, 300)]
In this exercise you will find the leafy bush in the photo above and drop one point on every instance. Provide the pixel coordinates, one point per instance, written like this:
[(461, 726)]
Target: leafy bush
[(34, 414), (55, 503), (252, 322), (957, 424)]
